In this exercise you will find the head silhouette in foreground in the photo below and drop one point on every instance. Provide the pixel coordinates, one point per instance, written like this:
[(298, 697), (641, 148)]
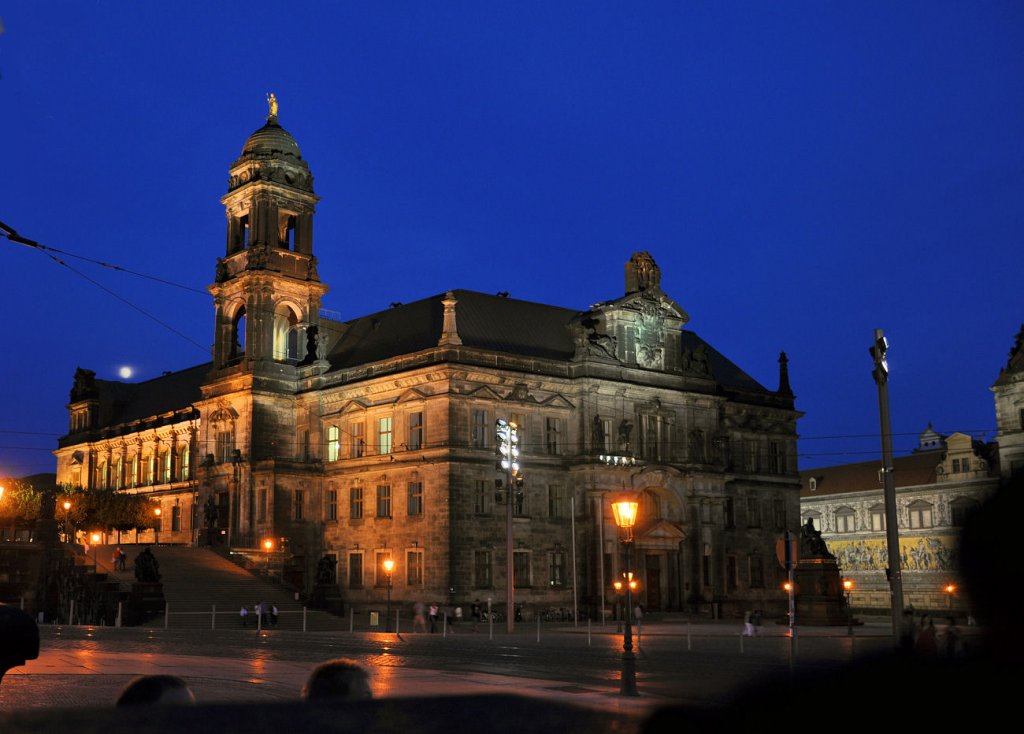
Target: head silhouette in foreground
[(340, 679), (156, 690), (19, 638)]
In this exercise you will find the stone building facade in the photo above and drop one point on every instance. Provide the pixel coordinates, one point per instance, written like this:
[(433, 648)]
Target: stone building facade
[(1009, 396), (343, 443)]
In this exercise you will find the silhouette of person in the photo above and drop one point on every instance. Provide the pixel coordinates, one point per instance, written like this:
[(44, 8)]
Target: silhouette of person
[(159, 690), (340, 679)]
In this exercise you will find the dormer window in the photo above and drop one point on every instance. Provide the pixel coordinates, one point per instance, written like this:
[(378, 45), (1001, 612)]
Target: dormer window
[(812, 484)]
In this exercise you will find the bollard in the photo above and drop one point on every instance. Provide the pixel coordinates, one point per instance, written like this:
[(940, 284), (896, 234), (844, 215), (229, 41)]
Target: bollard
[(538, 629), (398, 615), (688, 646), (167, 614), (304, 619), (71, 614), (351, 618), (213, 617), (444, 625), (588, 632), (117, 622), (490, 621), (741, 643)]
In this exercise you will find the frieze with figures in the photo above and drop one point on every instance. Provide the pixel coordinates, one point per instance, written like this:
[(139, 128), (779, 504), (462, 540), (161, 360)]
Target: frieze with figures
[(935, 553)]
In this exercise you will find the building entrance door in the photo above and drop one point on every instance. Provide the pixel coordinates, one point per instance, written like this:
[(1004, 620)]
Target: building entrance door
[(653, 583)]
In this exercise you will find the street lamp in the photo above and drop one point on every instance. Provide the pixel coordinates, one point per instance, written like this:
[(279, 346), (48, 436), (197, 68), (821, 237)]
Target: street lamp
[(625, 518), (95, 537), (67, 524), (268, 545), (507, 435), (389, 568), (156, 528), (950, 589), (848, 587)]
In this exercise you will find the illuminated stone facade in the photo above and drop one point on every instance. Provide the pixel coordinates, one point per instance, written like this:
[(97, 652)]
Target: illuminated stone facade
[(936, 488), (353, 441)]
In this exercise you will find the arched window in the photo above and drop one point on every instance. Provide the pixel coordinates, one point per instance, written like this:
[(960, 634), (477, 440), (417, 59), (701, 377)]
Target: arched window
[(133, 471), (238, 335), (286, 334), (184, 461), (118, 475)]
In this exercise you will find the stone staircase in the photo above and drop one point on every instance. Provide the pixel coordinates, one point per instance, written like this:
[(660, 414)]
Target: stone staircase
[(204, 590)]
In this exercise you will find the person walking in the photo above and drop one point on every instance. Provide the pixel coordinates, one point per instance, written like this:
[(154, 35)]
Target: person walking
[(244, 614), (273, 616), (419, 619), (748, 624), (433, 617)]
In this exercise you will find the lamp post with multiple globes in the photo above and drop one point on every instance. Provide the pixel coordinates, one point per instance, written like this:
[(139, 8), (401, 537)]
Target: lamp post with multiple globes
[(389, 569), (625, 518)]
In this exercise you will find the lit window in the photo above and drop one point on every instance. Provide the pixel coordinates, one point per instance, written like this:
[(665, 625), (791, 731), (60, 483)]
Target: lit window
[(333, 443), (358, 440), (384, 435), (878, 518), (845, 520)]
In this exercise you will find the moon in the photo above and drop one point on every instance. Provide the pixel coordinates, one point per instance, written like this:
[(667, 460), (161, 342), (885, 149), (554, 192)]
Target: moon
[(125, 372)]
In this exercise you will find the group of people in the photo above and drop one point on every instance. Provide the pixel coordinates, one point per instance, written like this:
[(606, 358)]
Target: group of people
[(753, 624), (340, 679), (430, 618), (266, 614), (118, 559), (925, 640)]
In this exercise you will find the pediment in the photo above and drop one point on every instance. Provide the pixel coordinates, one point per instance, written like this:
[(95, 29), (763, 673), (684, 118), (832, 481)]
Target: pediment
[(661, 531), (353, 406), (485, 392), (410, 395), (556, 401)]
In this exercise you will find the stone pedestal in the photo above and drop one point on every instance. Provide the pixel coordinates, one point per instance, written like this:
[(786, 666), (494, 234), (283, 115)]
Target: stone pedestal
[(145, 601), (820, 600)]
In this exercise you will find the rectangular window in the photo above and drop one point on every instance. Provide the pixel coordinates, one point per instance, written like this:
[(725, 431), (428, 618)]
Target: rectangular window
[(355, 503), (415, 505), (415, 431), (380, 573), (844, 522), (261, 510), (332, 505), (556, 566), (480, 496), (175, 518), (300, 504), (358, 447), (609, 436), (729, 513), (383, 500), (705, 567), (521, 569), (185, 464), (150, 470), (224, 446), (556, 501), (920, 517), (355, 570), (756, 572), (649, 437), (384, 435), (753, 512), (779, 513), (479, 429), (165, 467), (482, 569), (878, 519), (752, 456), (776, 457), (133, 479), (333, 443), (731, 573), (552, 435), (414, 568)]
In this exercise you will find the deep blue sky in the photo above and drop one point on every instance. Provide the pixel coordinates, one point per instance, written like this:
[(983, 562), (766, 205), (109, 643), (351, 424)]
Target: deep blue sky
[(802, 172)]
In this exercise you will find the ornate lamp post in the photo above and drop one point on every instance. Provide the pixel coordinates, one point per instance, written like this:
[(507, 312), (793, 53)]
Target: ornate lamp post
[(156, 527), (268, 545), (389, 569), (848, 587), (950, 589), (67, 523), (625, 518), (95, 538)]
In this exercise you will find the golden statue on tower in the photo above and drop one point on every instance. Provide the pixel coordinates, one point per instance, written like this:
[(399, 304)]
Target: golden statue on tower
[(272, 103)]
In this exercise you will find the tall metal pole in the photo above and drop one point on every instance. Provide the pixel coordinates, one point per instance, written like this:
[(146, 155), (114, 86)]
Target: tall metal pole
[(628, 658), (510, 591), (881, 375)]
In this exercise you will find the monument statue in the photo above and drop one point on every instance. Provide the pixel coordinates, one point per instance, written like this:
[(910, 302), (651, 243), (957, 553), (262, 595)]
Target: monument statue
[(272, 103)]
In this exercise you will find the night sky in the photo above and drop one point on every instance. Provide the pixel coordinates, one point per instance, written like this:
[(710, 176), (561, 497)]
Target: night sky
[(802, 172)]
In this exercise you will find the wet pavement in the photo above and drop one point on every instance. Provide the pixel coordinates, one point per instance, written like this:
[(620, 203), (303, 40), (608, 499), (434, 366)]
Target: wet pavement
[(698, 663)]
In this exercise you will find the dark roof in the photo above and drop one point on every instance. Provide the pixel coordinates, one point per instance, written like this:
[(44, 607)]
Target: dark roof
[(908, 471), (494, 323), (129, 401), (483, 321)]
